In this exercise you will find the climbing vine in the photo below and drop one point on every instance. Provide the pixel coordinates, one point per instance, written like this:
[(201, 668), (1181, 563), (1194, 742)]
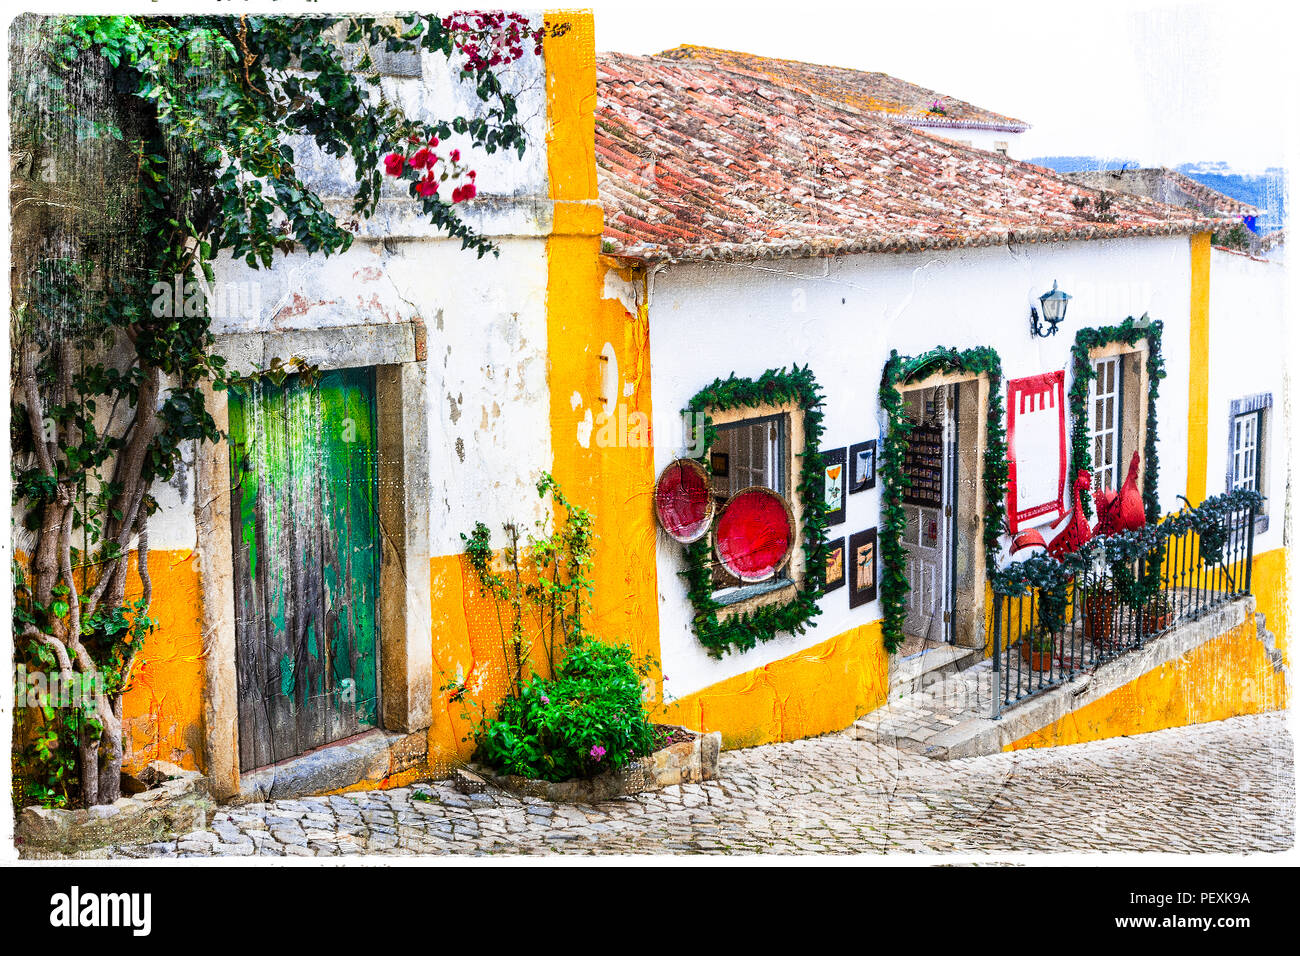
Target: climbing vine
[(899, 371), (744, 630), (1085, 340), (143, 149)]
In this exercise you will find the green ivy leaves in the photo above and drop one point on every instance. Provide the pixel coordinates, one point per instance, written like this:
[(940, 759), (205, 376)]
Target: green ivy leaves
[(898, 371), (746, 630)]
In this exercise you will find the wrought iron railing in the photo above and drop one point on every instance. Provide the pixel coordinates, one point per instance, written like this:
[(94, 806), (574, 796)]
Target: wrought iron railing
[(1055, 618)]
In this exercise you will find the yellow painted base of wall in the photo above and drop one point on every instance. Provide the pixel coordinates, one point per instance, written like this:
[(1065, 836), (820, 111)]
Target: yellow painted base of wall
[(1225, 677), (163, 706), (817, 691)]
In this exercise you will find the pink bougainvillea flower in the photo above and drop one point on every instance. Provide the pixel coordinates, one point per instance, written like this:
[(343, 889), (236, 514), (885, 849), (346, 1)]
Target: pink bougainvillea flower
[(471, 174), (393, 164), (455, 156), (597, 752), (426, 187), (423, 159), (468, 191)]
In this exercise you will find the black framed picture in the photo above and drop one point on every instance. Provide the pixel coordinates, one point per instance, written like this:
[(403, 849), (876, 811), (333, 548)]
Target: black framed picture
[(720, 464), (835, 576), (834, 462), (862, 466), (862, 567)]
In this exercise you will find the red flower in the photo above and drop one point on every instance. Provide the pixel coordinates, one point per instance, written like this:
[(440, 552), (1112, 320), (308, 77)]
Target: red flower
[(426, 187), (433, 141), (455, 156), (393, 164), (471, 174), (423, 159), (457, 194), (468, 191)]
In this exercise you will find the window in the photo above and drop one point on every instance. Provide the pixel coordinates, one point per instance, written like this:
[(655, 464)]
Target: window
[(1245, 451), (1104, 404), (1248, 430), (1001, 146), (748, 453)]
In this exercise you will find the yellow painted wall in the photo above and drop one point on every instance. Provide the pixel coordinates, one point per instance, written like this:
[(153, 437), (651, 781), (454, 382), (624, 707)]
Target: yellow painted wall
[(162, 708), (816, 691), (1270, 583), (1198, 374), (615, 481), (1226, 677)]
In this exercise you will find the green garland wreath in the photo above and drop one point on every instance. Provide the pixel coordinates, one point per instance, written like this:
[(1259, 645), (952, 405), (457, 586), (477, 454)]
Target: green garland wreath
[(899, 370), (745, 630), (1085, 340)]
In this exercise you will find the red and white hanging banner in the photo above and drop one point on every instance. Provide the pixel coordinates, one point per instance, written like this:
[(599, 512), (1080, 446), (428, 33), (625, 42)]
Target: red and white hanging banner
[(1036, 449)]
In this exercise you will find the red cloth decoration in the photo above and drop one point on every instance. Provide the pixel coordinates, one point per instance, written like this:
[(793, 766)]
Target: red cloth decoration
[(754, 534), (1037, 395), (1076, 532), (1122, 511)]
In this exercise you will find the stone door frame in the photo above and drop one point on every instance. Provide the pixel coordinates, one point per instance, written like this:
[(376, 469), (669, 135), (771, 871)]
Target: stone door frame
[(405, 651)]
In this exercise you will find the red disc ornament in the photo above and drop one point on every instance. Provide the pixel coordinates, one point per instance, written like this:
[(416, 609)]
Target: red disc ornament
[(755, 534), (683, 503)]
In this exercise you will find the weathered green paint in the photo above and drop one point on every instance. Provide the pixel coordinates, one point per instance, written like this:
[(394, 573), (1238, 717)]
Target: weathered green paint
[(303, 486)]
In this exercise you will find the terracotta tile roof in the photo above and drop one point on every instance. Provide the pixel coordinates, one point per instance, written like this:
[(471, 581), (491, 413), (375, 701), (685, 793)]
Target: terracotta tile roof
[(697, 163), (1165, 185), (876, 93)]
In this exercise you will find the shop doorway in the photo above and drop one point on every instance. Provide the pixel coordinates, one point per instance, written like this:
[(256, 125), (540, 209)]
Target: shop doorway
[(944, 510)]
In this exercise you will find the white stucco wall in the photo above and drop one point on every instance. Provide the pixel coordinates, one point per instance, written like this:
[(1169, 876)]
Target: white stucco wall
[(487, 399), (986, 139), (843, 316), (1249, 341)]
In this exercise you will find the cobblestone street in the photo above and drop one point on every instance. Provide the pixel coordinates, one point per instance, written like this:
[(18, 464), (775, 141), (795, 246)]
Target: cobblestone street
[(1220, 787)]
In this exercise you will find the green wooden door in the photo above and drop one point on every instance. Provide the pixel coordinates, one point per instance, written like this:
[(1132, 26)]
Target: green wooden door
[(306, 561)]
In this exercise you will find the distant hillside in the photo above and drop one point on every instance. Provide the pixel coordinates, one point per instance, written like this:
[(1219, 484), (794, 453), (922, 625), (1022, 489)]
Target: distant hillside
[(1265, 191)]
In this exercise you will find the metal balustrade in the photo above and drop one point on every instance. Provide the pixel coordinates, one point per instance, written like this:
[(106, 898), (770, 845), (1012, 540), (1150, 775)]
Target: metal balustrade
[(1054, 619)]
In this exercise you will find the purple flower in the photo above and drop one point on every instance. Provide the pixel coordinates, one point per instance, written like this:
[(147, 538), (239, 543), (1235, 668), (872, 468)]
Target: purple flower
[(597, 751), (545, 699)]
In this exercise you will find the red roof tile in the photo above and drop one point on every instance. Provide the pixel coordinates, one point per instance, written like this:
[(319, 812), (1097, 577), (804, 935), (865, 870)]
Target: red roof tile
[(876, 93), (1165, 185), (698, 163)]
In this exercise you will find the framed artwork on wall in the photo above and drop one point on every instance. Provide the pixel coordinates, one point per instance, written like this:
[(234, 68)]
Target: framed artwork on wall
[(862, 567), (833, 463), (835, 569), (862, 466)]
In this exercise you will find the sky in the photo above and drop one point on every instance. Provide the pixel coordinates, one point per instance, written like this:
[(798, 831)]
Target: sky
[(1157, 82)]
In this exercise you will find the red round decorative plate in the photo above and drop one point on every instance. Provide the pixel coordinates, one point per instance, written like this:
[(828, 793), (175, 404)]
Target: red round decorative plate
[(683, 503), (755, 534)]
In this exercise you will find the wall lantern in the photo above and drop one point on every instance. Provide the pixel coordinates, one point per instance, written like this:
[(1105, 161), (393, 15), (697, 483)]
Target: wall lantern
[(1054, 304)]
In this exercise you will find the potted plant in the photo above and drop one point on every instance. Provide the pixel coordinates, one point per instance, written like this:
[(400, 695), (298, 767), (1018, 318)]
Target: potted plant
[(1158, 614), (1038, 648), (1099, 608)]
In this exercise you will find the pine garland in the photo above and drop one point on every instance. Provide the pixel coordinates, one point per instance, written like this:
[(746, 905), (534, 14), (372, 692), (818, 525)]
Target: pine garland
[(898, 371), (745, 630), (1085, 340)]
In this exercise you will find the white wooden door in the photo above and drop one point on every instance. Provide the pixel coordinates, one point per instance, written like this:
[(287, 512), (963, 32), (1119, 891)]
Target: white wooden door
[(927, 540)]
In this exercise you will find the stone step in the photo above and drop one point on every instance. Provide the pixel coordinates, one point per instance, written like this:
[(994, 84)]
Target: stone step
[(949, 717), (910, 675)]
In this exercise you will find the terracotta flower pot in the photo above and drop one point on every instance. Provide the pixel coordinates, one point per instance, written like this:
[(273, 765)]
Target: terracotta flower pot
[(1099, 617), (1037, 660), (1153, 622)]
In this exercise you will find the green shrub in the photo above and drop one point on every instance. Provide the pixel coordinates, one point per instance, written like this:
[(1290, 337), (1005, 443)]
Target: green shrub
[(588, 719)]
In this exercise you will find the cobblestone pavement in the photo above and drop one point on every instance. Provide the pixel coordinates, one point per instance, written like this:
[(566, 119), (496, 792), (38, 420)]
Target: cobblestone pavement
[(1222, 787)]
